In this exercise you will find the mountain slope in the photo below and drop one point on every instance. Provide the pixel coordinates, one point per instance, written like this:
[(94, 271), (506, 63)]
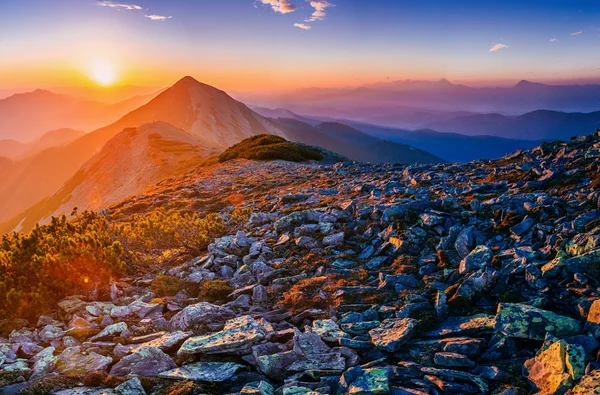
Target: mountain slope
[(26, 116), (210, 115), (353, 143), (130, 162)]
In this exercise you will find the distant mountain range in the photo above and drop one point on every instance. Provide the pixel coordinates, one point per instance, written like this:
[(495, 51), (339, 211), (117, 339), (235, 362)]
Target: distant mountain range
[(536, 125), (13, 149), (425, 104), (127, 156), (27, 116), (448, 146)]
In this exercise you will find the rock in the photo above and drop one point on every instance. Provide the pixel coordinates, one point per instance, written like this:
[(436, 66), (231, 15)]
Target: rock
[(212, 372), (393, 333), (166, 342), (328, 330), (199, 316), (358, 381), (522, 227), (131, 387), (110, 331), (146, 362), (528, 322), (309, 343), (275, 365), (479, 258), (450, 359), (50, 334), (589, 384), (464, 242), (258, 388), (581, 263), (238, 333), (553, 370), (452, 375), (74, 360), (43, 363), (333, 362), (463, 326), (334, 239)]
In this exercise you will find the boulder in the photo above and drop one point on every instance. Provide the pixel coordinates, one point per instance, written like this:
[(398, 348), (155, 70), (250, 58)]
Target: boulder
[(393, 333), (199, 316), (146, 362), (238, 333), (74, 360), (528, 322), (212, 372)]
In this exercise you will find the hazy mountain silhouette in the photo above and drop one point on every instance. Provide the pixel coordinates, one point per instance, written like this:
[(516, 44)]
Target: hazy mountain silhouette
[(535, 125), (13, 149), (27, 116)]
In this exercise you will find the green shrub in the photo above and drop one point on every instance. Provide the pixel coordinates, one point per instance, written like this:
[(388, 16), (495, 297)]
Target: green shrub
[(269, 147), (214, 290), (161, 231), (56, 260), (166, 285)]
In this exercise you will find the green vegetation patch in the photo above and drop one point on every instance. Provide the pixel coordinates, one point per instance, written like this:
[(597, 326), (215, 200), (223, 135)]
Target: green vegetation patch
[(269, 147), (56, 260)]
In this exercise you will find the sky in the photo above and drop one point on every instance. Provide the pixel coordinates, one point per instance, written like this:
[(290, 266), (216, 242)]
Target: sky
[(273, 45)]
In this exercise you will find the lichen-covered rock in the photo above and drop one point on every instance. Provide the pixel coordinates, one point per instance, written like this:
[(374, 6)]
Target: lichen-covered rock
[(74, 360), (479, 258), (258, 388), (131, 387), (548, 371), (329, 330), (212, 372), (199, 316), (528, 322), (393, 333), (145, 362), (358, 381), (588, 385), (238, 333)]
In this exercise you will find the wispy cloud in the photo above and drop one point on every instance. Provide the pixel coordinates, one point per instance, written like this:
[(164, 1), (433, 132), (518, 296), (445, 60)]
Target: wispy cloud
[(158, 17), (553, 39), (577, 34), (320, 12), (281, 6), (302, 26), (122, 6), (498, 47)]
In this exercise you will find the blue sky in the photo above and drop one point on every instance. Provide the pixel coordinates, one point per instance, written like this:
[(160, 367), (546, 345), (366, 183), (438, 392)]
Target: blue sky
[(248, 44)]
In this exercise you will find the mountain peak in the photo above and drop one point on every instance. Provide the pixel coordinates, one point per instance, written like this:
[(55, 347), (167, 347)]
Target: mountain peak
[(187, 80)]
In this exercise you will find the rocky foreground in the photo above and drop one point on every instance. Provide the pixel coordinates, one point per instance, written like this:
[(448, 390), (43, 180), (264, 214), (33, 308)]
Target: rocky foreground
[(478, 278)]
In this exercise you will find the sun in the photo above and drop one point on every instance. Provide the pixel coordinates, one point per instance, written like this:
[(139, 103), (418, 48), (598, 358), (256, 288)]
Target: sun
[(103, 72)]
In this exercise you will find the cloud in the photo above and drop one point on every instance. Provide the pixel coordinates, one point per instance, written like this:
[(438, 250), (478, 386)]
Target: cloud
[(281, 6), (158, 17), (498, 47), (320, 7), (123, 6), (577, 34), (553, 39), (302, 26)]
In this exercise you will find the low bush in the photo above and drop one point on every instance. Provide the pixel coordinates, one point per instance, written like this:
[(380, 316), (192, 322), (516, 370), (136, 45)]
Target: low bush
[(269, 147), (214, 290), (56, 260)]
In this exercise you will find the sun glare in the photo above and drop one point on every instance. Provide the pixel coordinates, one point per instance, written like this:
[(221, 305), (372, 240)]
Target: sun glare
[(103, 72)]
